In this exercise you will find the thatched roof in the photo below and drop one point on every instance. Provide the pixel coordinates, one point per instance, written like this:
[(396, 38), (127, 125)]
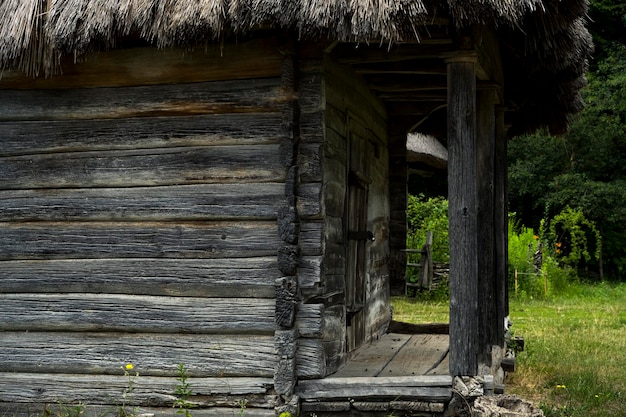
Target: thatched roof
[(426, 149), (549, 35)]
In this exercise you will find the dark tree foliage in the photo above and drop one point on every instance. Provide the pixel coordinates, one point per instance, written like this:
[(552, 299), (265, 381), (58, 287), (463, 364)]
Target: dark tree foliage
[(586, 168)]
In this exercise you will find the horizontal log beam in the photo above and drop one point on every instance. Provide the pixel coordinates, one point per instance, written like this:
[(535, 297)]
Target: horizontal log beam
[(420, 388), (152, 354), (258, 201), (148, 314), (144, 167), (88, 240), (235, 96), (54, 136), (235, 277), (257, 58)]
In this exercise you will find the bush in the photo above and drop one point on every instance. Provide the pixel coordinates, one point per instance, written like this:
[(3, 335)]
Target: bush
[(526, 279), (428, 215)]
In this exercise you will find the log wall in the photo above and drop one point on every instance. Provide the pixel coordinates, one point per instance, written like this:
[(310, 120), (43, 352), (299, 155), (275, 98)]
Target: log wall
[(139, 200), (334, 105)]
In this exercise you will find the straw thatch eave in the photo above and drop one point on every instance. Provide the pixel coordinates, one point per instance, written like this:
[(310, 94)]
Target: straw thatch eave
[(548, 44), (34, 32)]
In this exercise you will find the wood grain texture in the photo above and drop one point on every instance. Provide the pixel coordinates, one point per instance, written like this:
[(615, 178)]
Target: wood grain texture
[(152, 354), (145, 167), (230, 277), (33, 137), (419, 388), (244, 201), (36, 409), (310, 359), (229, 407), (463, 212), (88, 240), (148, 314), (143, 101), (148, 390), (257, 58)]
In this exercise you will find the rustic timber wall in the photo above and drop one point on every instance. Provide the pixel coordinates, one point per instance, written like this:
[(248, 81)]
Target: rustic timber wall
[(139, 195), (333, 103)]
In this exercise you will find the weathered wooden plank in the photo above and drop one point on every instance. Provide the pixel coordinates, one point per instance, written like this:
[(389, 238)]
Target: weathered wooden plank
[(32, 137), (148, 314), (309, 162), (310, 238), (395, 381), (152, 354), (309, 271), (420, 354), (255, 95), (144, 167), (423, 388), (346, 91), (257, 58), (310, 359), (371, 361), (147, 390), (135, 313), (181, 202), (309, 201), (485, 188), (463, 212), (233, 408), (237, 277), (43, 240)]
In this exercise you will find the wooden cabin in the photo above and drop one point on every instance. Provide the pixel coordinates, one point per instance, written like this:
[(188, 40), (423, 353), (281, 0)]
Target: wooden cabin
[(223, 185)]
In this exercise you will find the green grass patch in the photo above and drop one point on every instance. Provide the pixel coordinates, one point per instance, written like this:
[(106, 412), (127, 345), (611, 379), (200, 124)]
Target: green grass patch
[(574, 363)]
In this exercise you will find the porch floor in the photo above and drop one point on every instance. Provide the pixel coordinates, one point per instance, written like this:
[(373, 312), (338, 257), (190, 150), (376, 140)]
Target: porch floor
[(396, 354), (405, 373)]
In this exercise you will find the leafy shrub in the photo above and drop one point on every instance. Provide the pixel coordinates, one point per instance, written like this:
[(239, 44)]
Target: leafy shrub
[(428, 215), (526, 279)]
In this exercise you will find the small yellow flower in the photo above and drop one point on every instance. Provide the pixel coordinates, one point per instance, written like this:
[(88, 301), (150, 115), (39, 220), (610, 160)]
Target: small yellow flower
[(561, 386), (558, 251), (557, 244), (535, 237), (129, 367), (597, 396)]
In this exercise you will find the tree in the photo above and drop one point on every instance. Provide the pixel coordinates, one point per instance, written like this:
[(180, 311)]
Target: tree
[(586, 168)]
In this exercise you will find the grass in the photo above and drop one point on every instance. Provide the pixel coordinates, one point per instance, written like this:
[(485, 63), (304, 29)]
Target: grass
[(574, 363)]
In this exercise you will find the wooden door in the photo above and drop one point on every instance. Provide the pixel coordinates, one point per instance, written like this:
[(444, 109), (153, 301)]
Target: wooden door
[(358, 236)]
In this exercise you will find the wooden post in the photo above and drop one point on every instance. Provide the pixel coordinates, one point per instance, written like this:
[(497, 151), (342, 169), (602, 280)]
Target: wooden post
[(485, 183), (462, 214), (501, 224), (398, 178)]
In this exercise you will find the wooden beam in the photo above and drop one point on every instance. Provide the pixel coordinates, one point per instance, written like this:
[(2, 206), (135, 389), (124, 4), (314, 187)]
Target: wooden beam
[(463, 216), (411, 67), (411, 108), (485, 180), (431, 95), (403, 83), (501, 222), (361, 53)]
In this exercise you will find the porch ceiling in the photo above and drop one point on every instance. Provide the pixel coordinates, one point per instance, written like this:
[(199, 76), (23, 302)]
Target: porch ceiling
[(411, 77)]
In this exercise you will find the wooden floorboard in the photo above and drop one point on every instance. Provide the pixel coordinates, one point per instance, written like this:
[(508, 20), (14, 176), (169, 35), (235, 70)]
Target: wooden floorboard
[(419, 356), (371, 361), (400, 355)]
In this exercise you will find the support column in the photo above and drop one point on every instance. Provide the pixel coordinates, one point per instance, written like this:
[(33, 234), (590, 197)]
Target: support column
[(485, 182), (398, 179), (463, 215), (501, 223)]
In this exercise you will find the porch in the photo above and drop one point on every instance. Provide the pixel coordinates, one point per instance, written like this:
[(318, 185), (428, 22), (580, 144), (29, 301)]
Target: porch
[(402, 373)]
